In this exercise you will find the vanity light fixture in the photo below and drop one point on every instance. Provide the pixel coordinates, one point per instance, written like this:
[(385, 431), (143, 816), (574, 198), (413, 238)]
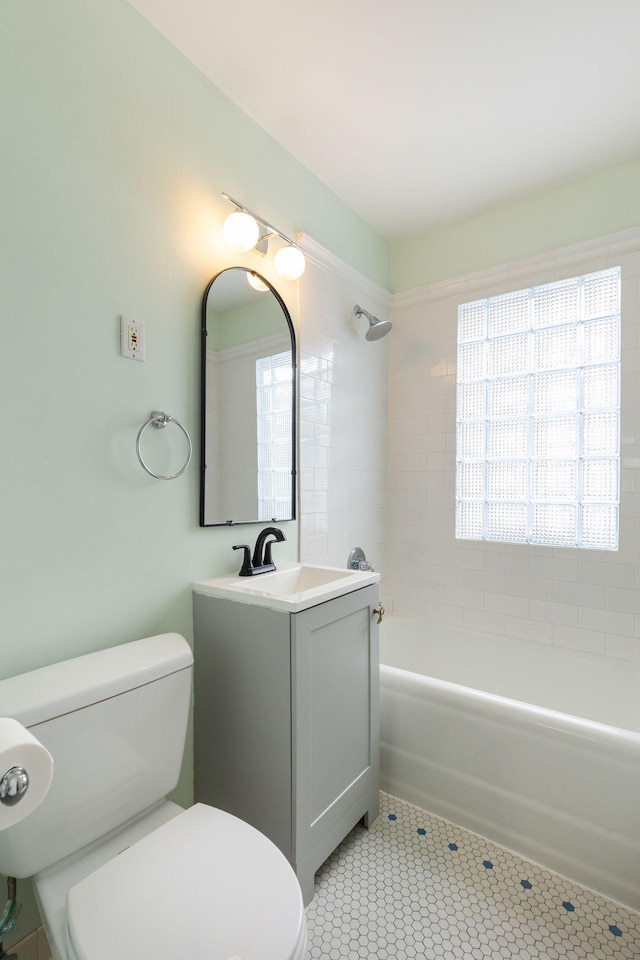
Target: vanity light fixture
[(241, 231), (245, 230), (289, 262)]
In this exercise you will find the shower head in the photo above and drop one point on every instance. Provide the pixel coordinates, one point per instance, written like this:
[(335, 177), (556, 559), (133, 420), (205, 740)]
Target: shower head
[(377, 328)]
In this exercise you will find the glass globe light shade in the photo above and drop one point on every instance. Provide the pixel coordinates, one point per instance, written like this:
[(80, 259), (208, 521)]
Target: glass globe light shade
[(241, 231), (256, 282), (289, 262)]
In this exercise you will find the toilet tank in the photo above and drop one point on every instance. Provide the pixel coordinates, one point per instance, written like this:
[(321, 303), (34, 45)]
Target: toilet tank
[(115, 724)]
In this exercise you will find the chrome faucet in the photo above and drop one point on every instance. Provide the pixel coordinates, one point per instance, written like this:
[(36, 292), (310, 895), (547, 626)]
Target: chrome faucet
[(358, 561), (260, 563)]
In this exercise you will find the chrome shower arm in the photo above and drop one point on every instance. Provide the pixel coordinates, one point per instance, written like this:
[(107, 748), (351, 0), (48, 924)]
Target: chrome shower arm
[(360, 311)]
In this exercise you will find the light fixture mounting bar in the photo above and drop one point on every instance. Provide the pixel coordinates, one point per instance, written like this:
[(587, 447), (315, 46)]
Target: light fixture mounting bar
[(265, 223)]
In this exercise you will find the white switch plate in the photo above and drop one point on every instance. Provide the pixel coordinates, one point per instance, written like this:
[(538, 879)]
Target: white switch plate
[(131, 339)]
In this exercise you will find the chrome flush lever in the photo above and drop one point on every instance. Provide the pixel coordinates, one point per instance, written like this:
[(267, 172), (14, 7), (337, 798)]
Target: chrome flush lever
[(13, 785)]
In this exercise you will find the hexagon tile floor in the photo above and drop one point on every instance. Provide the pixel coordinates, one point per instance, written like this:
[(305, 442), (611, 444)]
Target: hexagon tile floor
[(416, 886)]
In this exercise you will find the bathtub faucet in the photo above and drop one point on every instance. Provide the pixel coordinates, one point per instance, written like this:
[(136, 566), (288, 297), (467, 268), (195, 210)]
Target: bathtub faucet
[(358, 561)]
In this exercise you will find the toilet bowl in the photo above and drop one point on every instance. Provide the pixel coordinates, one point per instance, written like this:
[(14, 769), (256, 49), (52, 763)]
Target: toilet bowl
[(202, 885), (119, 871)]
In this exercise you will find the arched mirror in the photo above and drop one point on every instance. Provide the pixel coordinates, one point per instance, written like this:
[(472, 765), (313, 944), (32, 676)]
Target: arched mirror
[(248, 465)]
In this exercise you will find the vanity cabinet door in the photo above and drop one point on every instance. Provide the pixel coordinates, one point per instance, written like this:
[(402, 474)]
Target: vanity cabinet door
[(335, 669)]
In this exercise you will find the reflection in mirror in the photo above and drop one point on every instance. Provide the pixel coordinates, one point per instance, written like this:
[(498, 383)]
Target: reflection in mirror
[(248, 402)]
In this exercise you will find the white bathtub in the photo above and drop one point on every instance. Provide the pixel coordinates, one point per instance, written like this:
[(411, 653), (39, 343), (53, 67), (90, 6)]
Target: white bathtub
[(534, 747)]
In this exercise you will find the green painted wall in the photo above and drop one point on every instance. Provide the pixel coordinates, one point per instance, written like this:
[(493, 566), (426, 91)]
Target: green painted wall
[(253, 321), (114, 152), (584, 209)]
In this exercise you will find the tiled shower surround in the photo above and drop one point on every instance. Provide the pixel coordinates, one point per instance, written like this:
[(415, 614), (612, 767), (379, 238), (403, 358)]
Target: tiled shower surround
[(588, 600), (343, 413)]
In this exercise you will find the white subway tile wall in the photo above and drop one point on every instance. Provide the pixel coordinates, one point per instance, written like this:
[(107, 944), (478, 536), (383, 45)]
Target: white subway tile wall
[(343, 416), (581, 599)]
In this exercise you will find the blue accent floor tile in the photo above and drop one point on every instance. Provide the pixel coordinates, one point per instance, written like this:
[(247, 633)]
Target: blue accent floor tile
[(487, 864), (616, 931), (569, 907), (526, 884)]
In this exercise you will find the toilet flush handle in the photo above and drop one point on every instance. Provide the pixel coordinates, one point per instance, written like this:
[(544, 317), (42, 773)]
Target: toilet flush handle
[(14, 785)]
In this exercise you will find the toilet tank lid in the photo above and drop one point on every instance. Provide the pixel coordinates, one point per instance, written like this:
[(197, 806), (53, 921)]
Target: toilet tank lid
[(51, 691)]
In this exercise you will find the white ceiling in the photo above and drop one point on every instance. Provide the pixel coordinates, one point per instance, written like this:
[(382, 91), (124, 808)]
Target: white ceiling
[(416, 112)]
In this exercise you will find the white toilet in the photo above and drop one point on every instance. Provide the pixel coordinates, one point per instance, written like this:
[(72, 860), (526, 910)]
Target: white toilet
[(120, 871)]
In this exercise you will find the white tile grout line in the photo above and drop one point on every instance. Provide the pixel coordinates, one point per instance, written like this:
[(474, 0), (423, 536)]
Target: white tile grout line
[(417, 886)]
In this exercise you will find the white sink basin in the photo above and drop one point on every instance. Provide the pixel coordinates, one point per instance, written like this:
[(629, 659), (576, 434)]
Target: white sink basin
[(283, 583), (291, 587)]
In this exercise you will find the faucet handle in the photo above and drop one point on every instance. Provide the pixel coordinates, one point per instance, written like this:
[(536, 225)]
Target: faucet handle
[(358, 561), (246, 569)]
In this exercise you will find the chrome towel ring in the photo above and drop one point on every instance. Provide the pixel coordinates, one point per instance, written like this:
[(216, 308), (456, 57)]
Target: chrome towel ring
[(159, 420)]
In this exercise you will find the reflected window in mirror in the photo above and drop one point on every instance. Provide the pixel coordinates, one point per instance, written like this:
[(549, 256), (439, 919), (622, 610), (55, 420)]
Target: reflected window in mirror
[(274, 390), (248, 402)]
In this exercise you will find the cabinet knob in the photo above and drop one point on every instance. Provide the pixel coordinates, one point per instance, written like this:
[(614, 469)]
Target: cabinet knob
[(380, 611)]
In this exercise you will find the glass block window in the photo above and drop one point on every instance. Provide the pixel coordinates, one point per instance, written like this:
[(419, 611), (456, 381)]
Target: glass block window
[(538, 410), (274, 383)]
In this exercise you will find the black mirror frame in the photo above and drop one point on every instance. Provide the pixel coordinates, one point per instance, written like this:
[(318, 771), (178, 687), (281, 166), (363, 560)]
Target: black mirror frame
[(203, 402)]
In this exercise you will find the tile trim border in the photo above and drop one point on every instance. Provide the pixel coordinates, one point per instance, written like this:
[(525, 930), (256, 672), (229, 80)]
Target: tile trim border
[(344, 271)]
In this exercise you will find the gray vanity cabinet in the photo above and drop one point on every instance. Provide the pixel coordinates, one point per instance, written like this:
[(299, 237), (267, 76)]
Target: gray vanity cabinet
[(286, 720)]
